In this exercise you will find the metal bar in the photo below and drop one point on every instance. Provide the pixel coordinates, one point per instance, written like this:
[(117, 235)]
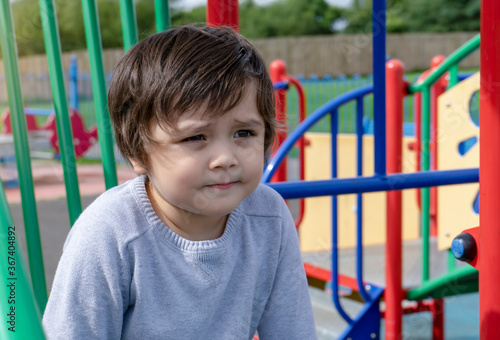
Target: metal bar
[(301, 97), (129, 24), (105, 133), (452, 276), (223, 13), (452, 262), (489, 189), (21, 146), (25, 311), (394, 258), (452, 59), (277, 72), (356, 185), (73, 83), (359, 202), (335, 255), (453, 76), (64, 132), (312, 119), (379, 37), (162, 15), (425, 192)]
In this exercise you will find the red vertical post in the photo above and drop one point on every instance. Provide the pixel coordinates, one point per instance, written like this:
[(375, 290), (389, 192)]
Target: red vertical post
[(436, 90), (277, 71), (223, 13), (395, 92), (489, 168), (437, 307)]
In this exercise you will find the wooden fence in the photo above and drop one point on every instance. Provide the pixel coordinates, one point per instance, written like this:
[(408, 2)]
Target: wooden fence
[(330, 54)]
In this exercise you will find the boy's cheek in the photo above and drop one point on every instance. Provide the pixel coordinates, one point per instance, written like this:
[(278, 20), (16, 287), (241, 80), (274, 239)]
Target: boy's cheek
[(253, 153)]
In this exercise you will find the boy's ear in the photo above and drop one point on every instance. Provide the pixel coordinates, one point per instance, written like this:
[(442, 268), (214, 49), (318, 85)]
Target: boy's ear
[(138, 168)]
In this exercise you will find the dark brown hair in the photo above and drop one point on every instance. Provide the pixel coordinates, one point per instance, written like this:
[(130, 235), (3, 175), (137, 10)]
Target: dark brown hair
[(178, 70)]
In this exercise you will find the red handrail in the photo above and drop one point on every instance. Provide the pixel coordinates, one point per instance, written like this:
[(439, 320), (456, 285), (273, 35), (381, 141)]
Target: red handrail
[(301, 143)]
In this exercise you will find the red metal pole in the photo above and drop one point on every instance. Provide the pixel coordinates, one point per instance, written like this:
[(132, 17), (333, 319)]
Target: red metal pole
[(223, 13), (301, 142), (436, 90), (489, 168), (395, 92), (277, 71)]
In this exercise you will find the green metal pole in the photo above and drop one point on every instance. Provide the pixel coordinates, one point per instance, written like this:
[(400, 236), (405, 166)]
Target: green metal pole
[(64, 133), (21, 146), (129, 25), (94, 46), (21, 315), (453, 59), (162, 15), (453, 76), (452, 261), (425, 192), (446, 285)]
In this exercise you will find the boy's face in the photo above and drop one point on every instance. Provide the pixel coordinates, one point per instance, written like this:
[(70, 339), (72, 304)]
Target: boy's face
[(207, 166)]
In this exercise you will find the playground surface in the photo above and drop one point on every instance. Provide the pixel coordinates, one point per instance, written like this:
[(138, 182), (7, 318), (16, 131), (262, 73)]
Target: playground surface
[(461, 312)]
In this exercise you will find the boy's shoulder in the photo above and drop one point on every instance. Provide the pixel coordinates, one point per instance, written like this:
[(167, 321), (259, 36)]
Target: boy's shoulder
[(264, 201), (116, 213)]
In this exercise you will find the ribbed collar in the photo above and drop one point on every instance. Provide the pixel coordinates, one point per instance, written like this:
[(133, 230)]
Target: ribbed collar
[(169, 236)]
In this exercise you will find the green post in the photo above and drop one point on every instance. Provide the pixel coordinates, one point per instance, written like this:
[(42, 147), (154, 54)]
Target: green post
[(21, 317), (162, 15), (94, 46), (425, 192), (21, 146), (453, 76), (64, 132), (129, 25)]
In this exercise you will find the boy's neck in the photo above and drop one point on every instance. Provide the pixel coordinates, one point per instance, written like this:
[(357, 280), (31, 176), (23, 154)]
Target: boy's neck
[(191, 226)]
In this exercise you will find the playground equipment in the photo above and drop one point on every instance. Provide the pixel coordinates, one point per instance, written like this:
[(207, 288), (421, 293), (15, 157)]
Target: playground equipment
[(83, 139), (387, 176)]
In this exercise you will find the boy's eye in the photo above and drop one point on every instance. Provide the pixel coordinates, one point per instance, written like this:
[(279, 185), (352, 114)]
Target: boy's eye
[(244, 133), (194, 138)]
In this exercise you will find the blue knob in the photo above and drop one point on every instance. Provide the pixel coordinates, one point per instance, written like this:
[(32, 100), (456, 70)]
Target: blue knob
[(464, 247)]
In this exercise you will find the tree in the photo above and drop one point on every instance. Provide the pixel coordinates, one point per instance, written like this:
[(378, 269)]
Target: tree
[(287, 18), (419, 16), (29, 33)]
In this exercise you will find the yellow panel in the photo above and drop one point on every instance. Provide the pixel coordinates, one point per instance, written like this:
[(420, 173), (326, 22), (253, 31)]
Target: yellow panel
[(315, 230), (455, 211)]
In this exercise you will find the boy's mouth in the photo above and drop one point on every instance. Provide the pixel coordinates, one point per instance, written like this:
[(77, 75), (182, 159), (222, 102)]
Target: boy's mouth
[(222, 186)]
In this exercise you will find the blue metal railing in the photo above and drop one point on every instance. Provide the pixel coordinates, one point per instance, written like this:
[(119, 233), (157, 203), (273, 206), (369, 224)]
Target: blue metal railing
[(331, 109), (356, 185)]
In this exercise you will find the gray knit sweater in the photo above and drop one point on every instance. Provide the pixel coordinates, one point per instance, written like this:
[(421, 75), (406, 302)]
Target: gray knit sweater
[(124, 274)]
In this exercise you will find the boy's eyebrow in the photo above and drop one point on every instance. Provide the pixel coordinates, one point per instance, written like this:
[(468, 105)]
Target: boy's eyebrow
[(194, 125), (251, 122)]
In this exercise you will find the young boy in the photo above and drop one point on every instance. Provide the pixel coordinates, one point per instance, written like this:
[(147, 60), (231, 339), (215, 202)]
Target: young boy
[(194, 248)]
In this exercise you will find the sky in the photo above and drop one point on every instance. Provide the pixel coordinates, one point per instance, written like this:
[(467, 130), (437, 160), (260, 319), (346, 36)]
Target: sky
[(188, 4)]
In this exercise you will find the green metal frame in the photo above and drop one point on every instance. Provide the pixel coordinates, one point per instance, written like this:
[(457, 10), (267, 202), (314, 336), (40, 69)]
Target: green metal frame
[(32, 298), (129, 24), (19, 131), (18, 310), (64, 132), (450, 64), (104, 130), (162, 15)]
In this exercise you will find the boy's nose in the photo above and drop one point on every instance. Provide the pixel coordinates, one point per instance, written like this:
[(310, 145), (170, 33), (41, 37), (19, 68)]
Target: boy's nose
[(223, 156)]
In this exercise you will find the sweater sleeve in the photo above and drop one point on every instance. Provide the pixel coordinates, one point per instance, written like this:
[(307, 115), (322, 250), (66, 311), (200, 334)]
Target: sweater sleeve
[(288, 313), (88, 297)]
